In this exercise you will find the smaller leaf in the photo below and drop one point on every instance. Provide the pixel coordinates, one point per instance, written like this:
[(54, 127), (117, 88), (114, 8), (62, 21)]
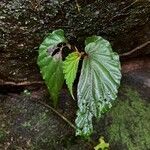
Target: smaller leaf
[(102, 144), (70, 67)]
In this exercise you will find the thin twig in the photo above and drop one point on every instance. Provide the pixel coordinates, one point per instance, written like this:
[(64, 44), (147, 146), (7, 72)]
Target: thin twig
[(134, 50), (122, 10), (24, 83), (130, 5), (60, 115)]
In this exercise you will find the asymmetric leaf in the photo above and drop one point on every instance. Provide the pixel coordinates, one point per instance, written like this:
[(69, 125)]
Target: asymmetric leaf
[(50, 62), (70, 67), (98, 83)]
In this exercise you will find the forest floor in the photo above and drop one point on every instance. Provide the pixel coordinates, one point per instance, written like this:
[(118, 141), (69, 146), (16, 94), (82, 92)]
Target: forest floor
[(27, 124)]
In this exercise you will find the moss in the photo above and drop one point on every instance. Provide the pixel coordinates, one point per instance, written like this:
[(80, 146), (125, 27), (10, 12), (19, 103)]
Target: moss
[(26, 124), (129, 129), (2, 135)]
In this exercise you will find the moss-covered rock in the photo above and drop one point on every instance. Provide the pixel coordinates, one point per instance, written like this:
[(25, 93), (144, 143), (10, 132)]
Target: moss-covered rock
[(126, 126)]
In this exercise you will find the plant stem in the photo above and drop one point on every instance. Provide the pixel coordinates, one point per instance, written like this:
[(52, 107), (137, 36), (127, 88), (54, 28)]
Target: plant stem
[(60, 115)]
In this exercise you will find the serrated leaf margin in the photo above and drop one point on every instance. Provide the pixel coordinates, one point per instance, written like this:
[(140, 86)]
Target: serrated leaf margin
[(88, 110), (70, 67)]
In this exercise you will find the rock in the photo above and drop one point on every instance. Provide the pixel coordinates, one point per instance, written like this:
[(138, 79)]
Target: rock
[(140, 79), (136, 73), (26, 123), (25, 23)]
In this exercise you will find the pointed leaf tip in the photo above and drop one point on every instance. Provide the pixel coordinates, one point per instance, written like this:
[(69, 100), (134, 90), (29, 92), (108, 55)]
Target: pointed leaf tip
[(70, 67), (98, 83)]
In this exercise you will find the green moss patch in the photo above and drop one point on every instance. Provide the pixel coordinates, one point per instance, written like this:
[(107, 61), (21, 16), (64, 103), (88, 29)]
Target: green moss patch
[(129, 129)]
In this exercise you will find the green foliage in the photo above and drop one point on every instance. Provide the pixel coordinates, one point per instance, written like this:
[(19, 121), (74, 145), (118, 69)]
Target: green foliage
[(51, 66), (102, 145), (70, 67), (99, 79), (98, 83)]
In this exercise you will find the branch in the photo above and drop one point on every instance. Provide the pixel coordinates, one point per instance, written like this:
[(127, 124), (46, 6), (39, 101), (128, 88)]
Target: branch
[(24, 83), (135, 49), (56, 112), (130, 5)]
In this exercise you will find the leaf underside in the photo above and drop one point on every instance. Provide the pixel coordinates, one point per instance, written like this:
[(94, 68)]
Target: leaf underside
[(51, 65), (98, 83), (70, 67)]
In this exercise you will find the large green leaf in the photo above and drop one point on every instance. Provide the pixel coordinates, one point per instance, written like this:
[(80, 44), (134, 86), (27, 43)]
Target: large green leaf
[(70, 67), (98, 83), (50, 62)]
